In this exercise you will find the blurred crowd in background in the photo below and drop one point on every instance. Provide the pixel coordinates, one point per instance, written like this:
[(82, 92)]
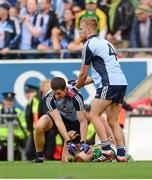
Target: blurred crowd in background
[(47, 25)]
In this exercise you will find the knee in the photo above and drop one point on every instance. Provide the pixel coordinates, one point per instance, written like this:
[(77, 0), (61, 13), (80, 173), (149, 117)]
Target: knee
[(94, 116), (111, 123), (39, 128)]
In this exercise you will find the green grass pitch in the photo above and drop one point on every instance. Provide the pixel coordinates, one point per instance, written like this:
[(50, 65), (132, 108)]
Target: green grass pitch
[(59, 170)]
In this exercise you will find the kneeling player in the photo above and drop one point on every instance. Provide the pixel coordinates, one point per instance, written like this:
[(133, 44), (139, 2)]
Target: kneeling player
[(64, 111)]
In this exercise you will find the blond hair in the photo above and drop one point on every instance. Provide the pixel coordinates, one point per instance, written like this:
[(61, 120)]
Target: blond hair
[(90, 22)]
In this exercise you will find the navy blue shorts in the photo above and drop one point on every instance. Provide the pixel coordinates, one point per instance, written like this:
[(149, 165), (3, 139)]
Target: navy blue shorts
[(115, 93), (70, 125)]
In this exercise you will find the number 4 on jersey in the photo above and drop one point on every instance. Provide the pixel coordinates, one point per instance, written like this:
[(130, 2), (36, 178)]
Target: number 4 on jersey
[(112, 51)]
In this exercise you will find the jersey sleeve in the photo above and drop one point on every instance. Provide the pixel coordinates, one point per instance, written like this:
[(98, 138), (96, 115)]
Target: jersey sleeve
[(78, 102), (50, 104)]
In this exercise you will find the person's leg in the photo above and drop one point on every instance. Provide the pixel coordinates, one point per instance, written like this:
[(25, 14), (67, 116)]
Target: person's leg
[(50, 143), (97, 108), (108, 131), (30, 148), (112, 117), (43, 124)]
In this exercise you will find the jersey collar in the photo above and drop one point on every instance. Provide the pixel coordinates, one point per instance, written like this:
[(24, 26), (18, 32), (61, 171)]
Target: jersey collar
[(90, 37)]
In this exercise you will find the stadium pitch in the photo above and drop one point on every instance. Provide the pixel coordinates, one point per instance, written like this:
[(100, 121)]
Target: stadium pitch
[(59, 170)]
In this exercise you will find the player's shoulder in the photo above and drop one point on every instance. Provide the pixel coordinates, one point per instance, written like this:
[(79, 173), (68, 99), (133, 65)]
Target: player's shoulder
[(49, 95), (78, 97), (91, 40), (98, 41), (95, 42)]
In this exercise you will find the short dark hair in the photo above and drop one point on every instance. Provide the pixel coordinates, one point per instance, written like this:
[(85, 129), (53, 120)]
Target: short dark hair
[(58, 83), (5, 6)]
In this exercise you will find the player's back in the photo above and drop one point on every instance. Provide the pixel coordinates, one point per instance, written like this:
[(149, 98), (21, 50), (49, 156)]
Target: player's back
[(105, 65), (67, 106)]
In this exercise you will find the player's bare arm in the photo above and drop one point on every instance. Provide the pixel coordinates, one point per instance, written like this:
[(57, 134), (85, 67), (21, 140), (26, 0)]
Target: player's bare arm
[(82, 76), (89, 80), (83, 124), (59, 123)]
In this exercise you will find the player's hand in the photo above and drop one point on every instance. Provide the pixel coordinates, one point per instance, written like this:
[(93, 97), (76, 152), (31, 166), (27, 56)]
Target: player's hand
[(5, 51), (84, 146), (71, 147), (73, 91)]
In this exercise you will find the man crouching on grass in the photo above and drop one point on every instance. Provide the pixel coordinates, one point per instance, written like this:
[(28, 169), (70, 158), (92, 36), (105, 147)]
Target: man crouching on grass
[(64, 113)]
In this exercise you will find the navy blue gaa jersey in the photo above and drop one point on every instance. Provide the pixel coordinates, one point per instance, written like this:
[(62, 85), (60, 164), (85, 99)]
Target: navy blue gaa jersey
[(67, 107)]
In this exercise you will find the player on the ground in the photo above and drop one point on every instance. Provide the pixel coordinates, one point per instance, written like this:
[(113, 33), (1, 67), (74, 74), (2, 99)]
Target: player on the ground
[(92, 155), (63, 111), (110, 83)]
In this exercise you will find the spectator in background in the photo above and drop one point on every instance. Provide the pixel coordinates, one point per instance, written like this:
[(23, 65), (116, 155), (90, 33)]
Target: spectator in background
[(31, 115), (19, 124), (104, 6), (92, 11), (126, 107), (75, 45), (120, 15), (50, 135), (80, 3), (3, 1), (14, 15), (31, 28), (49, 24), (145, 2), (58, 8), (150, 3), (21, 5), (14, 12), (76, 8), (67, 33), (134, 3), (67, 28), (12, 2), (143, 106), (10, 33), (34, 110), (68, 4), (142, 25)]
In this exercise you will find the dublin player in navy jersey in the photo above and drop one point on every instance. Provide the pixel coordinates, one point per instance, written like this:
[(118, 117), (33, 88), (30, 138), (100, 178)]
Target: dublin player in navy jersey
[(65, 113), (99, 55)]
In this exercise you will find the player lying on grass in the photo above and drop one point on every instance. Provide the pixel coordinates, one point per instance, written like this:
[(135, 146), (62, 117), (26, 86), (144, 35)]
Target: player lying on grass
[(65, 113), (92, 155)]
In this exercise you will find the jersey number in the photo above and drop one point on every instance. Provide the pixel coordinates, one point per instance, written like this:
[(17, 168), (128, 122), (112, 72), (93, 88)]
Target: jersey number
[(112, 52)]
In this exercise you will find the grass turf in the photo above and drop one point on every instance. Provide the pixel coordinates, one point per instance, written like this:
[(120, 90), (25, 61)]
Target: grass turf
[(57, 169)]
